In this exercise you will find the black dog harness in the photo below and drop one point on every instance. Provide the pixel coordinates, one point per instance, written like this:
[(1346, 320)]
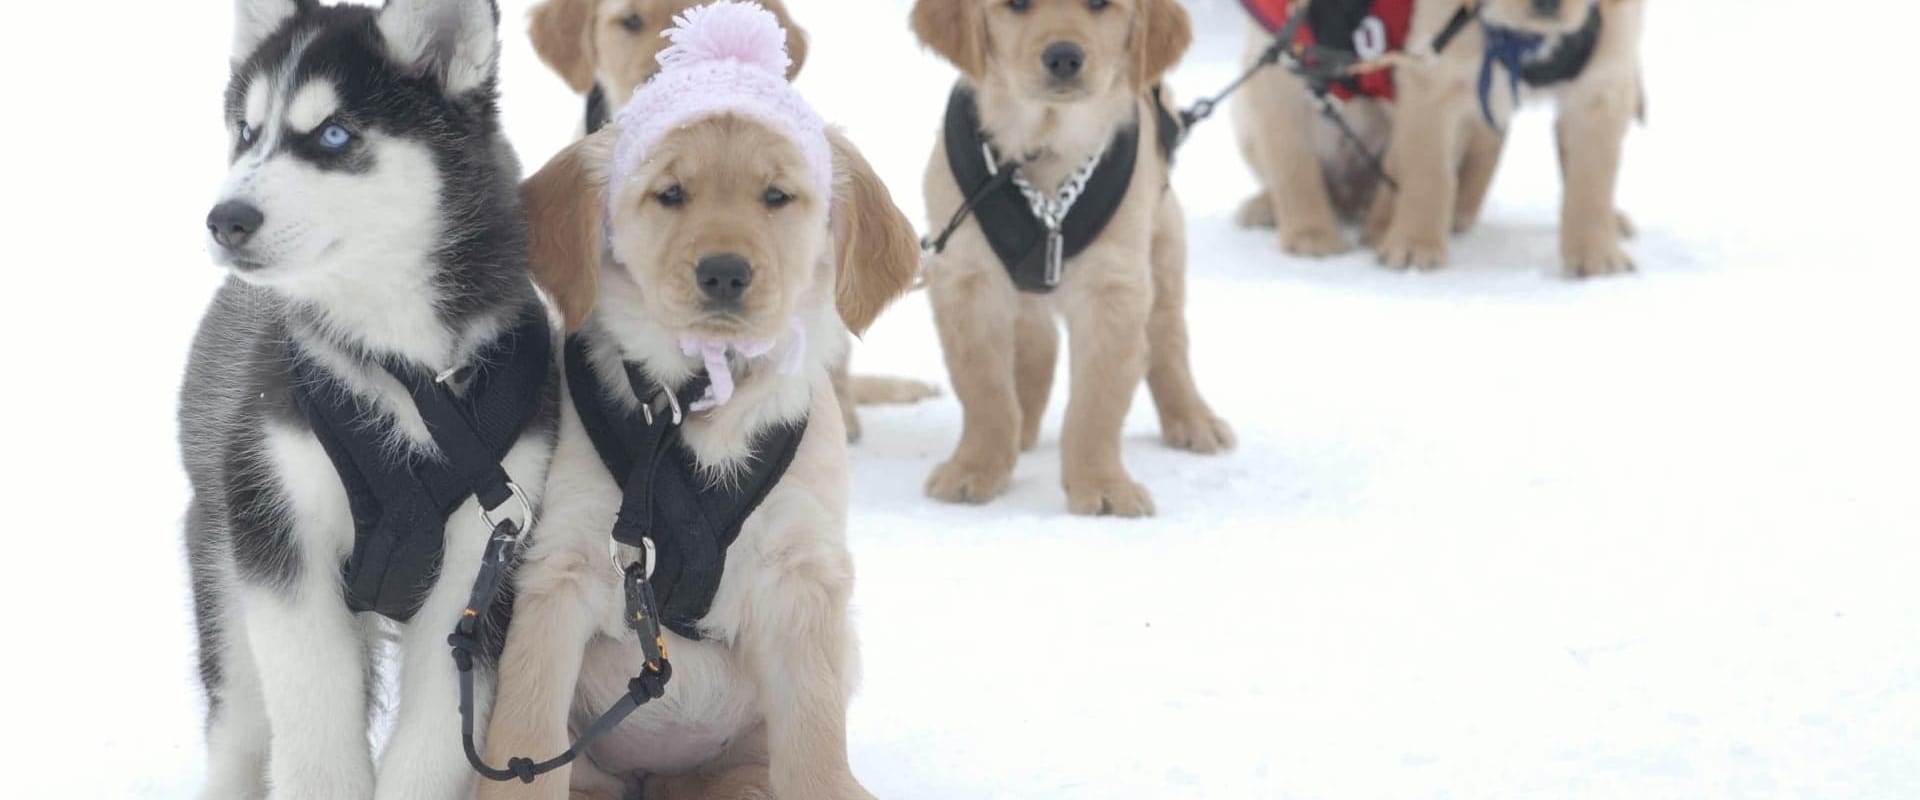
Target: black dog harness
[(681, 522), (1032, 243), (668, 507), (400, 506), (598, 115)]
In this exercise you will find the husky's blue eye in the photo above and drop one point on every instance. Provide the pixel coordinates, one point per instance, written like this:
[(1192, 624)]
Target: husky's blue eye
[(334, 137), (246, 133)]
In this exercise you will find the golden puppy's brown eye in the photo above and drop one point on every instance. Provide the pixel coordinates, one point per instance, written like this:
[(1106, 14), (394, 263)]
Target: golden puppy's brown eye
[(633, 23), (1020, 6), (777, 199), (1098, 5), (673, 197)]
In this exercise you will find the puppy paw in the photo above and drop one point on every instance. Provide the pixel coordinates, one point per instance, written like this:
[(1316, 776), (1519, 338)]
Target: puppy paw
[(1313, 241), (1400, 251), (1200, 432), (1625, 224), (958, 482), (872, 390), (1596, 260), (1115, 497), (1256, 212)]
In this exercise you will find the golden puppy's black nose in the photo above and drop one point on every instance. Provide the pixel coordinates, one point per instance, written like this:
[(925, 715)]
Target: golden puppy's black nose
[(724, 278), (1063, 60), (232, 223), (1546, 8)]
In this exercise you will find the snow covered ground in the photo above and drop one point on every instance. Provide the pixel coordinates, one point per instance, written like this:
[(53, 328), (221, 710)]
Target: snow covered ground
[(1489, 534)]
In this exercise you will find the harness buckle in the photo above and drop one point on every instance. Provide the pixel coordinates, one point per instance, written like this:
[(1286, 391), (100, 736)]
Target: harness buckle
[(521, 522)]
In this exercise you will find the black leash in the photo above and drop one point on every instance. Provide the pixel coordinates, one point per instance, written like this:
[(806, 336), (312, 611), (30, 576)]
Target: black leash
[(502, 550), (642, 617), (1002, 175)]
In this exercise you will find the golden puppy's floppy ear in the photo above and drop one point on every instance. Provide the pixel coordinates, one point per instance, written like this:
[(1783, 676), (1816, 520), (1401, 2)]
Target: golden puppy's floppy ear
[(566, 205), (796, 36), (956, 30), (876, 252), (562, 33), (1161, 34)]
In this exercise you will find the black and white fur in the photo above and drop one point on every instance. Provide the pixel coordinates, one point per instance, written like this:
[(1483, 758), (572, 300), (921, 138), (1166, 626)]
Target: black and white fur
[(408, 243)]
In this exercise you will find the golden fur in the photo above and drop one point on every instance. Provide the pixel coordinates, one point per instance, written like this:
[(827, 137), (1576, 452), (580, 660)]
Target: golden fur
[(586, 41), (1438, 146), (757, 708), (1122, 298)]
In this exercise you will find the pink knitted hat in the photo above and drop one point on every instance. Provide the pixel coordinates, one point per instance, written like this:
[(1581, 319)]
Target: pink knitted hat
[(727, 57)]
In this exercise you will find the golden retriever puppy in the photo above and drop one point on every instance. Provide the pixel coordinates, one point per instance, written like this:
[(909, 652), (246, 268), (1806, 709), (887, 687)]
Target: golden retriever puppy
[(614, 45), (605, 49), (708, 248), (1444, 148), (1062, 93)]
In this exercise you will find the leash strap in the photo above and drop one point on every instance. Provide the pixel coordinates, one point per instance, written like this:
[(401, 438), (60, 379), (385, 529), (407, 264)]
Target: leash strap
[(651, 684), (1002, 173)]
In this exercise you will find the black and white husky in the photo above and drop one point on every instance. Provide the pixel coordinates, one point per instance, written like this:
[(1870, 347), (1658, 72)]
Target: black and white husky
[(372, 223)]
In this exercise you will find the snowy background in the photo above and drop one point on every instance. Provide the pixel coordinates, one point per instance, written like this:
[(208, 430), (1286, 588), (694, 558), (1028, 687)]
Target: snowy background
[(1489, 534)]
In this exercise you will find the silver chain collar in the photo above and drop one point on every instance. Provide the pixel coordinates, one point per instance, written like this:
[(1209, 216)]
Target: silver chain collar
[(1052, 211)]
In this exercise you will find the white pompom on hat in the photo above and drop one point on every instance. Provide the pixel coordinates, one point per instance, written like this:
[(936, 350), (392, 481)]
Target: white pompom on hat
[(726, 58)]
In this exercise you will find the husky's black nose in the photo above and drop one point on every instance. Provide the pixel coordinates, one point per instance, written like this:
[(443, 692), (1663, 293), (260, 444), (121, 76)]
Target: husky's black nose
[(724, 278), (1064, 60), (233, 222), (1546, 8)]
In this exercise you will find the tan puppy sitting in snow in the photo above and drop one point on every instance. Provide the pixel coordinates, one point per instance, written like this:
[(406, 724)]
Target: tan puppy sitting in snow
[(1442, 174), (605, 49), (1440, 145), (711, 245), (1060, 90)]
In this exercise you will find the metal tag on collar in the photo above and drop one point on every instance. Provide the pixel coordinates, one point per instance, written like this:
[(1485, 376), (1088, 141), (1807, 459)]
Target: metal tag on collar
[(1056, 252)]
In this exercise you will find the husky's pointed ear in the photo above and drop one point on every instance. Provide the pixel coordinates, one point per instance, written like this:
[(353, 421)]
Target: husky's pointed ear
[(255, 20), (876, 253), (452, 41), (566, 205), (796, 37), (957, 30), (1161, 33)]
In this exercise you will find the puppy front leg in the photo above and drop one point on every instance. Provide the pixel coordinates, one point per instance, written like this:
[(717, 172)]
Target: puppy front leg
[(312, 661), (974, 311), (1036, 353), (1592, 127), (1276, 131), (1185, 420), (554, 616), (800, 652), (1425, 151), (1476, 174), (1106, 313)]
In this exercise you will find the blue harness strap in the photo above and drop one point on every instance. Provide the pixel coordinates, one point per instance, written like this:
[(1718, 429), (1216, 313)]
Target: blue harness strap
[(1508, 48)]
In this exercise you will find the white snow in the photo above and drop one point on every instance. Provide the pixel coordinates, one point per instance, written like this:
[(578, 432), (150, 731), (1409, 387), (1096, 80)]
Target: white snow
[(1489, 534)]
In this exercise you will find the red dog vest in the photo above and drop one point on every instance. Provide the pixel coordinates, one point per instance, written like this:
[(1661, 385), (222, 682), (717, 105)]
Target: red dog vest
[(1367, 28)]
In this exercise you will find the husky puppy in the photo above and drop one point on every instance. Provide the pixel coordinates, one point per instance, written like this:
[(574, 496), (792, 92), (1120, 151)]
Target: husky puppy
[(372, 225)]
